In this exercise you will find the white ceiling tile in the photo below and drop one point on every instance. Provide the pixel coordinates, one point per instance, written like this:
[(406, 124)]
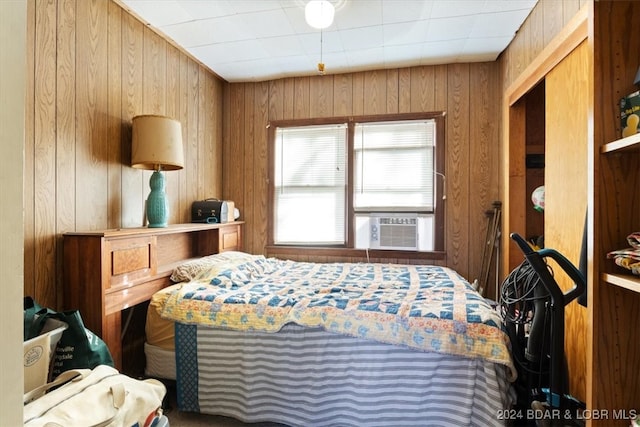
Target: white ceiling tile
[(441, 52), (269, 23), (452, 8), (204, 32), (401, 11), (414, 32), (281, 46), (159, 13), (393, 55), (230, 52), (206, 9), (506, 5), (498, 24), (484, 46), (359, 13), (450, 28), (362, 38), (331, 42), (251, 6), (367, 56), (253, 40)]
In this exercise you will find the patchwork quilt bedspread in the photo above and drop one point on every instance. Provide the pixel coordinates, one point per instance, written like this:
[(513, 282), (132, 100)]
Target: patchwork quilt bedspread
[(430, 308)]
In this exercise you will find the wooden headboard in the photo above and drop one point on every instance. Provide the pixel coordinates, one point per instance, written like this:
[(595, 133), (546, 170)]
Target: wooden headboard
[(108, 271)]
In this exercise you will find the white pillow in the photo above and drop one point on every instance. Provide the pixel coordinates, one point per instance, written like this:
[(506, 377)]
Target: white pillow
[(209, 265)]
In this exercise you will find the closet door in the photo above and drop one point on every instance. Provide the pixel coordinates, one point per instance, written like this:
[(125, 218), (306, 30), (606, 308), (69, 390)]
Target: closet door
[(566, 148)]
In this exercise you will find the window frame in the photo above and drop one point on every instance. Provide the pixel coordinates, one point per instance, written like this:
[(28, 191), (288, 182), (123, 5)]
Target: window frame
[(348, 248)]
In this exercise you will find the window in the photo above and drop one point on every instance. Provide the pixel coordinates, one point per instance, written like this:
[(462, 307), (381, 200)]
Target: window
[(394, 164), (339, 182), (310, 185)]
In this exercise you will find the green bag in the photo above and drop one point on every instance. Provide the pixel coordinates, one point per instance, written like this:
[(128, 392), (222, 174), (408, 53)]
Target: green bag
[(78, 348), (30, 309)]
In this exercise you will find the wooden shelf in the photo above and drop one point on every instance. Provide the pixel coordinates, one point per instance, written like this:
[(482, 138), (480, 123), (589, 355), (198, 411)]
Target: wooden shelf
[(142, 231), (626, 281), (629, 143)]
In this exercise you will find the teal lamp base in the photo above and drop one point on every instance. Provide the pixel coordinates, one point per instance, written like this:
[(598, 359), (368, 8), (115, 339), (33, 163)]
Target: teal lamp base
[(157, 204)]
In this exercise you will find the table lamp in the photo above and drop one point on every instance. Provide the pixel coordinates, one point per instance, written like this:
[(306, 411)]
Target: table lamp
[(157, 145)]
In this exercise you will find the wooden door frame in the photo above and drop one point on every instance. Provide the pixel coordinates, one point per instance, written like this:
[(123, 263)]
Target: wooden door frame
[(514, 132)]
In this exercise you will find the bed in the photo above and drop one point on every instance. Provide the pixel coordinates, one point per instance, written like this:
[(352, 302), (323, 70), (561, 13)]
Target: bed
[(350, 344)]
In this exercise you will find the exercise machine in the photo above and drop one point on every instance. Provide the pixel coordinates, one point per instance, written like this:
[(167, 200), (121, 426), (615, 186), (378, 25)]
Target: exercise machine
[(533, 309)]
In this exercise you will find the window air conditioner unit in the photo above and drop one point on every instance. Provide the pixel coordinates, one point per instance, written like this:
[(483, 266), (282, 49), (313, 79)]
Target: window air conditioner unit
[(395, 231)]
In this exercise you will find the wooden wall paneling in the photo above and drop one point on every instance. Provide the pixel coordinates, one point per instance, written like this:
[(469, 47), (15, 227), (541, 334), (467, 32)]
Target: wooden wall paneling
[(342, 94), (114, 121), (440, 90), (553, 19), (132, 93), (192, 163), (215, 128), (92, 105), (301, 99), (429, 88), (45, 153), (173, 84), (483, 156), (404, 90), (65, 128), (321, 96), (569, 9), (182, 113), (203, 137), (154, 73), (375, 92), (92, 67), (289, 97), (276, 99), (29, 287), (247, 128), (567, 115), (535, 35), (544, 22), (423, 89), (458, 167), (234, 169), (358, 94), (614, 311), (392, 91), (172, 109), (260, 168)]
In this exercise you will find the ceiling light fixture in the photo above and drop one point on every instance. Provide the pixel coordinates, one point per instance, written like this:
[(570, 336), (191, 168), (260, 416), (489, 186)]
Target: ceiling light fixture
[(319, 13)]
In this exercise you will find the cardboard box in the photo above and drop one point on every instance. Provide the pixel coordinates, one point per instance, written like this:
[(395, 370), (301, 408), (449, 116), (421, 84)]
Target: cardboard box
[(38, 354), (630, 114)]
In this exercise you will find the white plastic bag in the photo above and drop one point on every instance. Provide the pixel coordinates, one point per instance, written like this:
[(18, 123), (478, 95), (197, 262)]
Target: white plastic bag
[(95, 397)]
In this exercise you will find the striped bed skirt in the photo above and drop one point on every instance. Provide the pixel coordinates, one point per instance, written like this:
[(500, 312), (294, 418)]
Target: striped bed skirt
[(309, 377)]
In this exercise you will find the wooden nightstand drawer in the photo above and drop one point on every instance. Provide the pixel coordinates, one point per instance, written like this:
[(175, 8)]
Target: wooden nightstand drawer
[(128, 260), (131, 260), (229, 238)]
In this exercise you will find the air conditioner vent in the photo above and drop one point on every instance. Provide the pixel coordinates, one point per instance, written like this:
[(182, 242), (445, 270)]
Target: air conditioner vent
[(394, 231)]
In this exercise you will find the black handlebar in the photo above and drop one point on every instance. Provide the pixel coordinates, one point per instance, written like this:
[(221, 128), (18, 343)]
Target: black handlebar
[(536, 260)]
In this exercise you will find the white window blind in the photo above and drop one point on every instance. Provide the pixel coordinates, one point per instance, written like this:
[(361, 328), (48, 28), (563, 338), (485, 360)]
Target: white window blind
[(394, 166), (310, 185)]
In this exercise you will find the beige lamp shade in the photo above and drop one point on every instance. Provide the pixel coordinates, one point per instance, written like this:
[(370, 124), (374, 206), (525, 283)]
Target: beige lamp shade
[(156, 143)]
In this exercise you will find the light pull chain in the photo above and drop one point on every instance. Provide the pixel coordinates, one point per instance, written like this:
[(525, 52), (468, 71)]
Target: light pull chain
[(321, 64)]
